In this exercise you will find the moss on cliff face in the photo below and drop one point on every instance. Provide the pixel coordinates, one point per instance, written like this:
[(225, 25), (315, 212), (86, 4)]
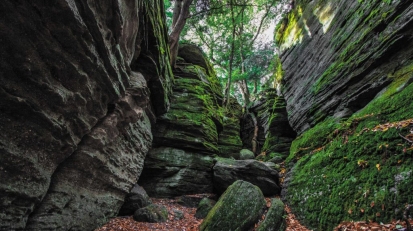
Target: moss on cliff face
[(348, 53), (359, 168)]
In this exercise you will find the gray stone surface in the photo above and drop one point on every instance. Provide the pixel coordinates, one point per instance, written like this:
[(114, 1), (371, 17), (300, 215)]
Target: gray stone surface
[(227, 171), (170, 172), (152, 213), (137, 198), (74, 115), (341, 60)]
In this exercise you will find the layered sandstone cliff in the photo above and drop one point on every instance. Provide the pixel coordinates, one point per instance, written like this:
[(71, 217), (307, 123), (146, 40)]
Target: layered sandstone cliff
[(81, 82)]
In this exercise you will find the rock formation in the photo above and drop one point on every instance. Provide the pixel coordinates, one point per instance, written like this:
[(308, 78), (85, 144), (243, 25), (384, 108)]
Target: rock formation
[(275, 134), (346, 78), (186, 137), (239, 208), (77, 97), (337, 55), (227, 171)]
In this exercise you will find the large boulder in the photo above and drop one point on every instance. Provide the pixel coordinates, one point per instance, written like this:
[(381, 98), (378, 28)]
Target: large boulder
[(238, 209), (274, 219), (74, 116), (171, 172), (227, 171), (246, 154), (152, 213), (136, 199)]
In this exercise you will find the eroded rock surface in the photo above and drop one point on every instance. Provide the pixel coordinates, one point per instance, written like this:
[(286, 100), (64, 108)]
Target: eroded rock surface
[(337, 55), (170, 172), (347, 82), (75, 117), (227, 171), (229, 140), (275, 134), (186, 137)]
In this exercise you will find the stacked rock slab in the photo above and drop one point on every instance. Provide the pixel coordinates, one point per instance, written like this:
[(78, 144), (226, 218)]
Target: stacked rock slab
[(75, 117), (274, 131), (227, 171), (229, 141), (186, 137), (337, 55)]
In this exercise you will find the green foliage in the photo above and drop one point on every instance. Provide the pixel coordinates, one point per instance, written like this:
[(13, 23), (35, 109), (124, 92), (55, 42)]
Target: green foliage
[(211, 27)]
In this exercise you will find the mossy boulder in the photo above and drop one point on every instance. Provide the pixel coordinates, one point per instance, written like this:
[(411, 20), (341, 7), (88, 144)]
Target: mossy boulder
[(275, 217), (152, 213), (246, 154), (204, 206), (238, 209), (227, 171)]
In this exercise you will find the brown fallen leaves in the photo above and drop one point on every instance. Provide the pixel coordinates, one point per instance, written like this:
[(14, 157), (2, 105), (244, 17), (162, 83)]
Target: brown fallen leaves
[(292, 223), (188, 223), (370, 226)]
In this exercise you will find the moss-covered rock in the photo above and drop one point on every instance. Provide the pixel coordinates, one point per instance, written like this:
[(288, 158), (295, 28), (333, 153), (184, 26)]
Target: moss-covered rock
[(152, 213), (246, 154), (229, 140), (195, 116), (275, 217), (239, 208), (359, 168), (186, 137), (275, 134), (337, 55)]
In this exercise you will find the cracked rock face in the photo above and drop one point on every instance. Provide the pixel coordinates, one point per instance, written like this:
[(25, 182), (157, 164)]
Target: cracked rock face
[(338, 55), (75, 117)]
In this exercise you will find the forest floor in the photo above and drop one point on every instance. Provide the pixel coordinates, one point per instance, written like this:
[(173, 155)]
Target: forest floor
[(190, 223)]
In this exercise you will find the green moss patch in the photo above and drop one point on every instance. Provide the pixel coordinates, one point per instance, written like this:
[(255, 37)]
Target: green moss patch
[(359, 168)]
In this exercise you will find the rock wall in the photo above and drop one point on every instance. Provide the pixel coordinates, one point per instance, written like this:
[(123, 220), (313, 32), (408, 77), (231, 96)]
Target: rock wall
[(229, 140), (347, 78), (186, 137), (75, 112), (275, 134), (337, 55)]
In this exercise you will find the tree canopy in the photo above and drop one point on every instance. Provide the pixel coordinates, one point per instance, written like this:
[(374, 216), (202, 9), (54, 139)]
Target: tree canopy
[(235, 35)]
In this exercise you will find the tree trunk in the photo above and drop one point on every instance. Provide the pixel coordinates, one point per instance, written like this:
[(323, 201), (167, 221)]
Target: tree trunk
[(231, 59), (180, 14), (254, 141), (243, 87)]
